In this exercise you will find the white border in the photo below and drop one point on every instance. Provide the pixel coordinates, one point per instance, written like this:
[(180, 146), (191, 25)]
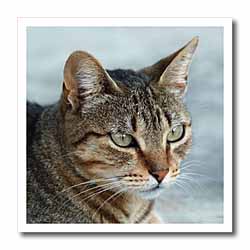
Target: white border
[(23, 23)]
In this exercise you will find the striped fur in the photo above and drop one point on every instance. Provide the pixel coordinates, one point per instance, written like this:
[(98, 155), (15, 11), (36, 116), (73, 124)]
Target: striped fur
[(75, 173)]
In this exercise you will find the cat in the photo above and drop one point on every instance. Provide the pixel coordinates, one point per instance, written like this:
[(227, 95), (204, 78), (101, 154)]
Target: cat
[(112, 143)]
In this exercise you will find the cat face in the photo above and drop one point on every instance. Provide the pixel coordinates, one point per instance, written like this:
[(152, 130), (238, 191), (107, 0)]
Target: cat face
[(128, 127)]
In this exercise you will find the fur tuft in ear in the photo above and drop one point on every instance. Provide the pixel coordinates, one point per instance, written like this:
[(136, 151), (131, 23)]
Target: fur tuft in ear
[(171, 73), (84, 77)]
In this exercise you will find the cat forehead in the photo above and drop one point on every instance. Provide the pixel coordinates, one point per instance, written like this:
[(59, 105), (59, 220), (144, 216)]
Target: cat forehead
[(139, 109)]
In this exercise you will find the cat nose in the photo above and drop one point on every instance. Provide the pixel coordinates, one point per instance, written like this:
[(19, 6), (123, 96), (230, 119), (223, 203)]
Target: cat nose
[(159, 175)]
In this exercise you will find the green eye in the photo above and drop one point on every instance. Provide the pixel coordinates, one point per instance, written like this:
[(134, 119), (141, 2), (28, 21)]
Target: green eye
[(176, 134), (122, 140)]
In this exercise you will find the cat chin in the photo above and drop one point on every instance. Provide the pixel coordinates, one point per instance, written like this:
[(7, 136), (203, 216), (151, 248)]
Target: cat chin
[(151, 194)]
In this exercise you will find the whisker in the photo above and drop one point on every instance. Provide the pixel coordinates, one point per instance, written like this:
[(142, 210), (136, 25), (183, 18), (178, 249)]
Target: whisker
[(182, 188), (101, 191), (85, 191), (192, 162), (197, 174), (88, 182), (189, 186), (192, 165), (194, 181), (112, 196), (95, 194)]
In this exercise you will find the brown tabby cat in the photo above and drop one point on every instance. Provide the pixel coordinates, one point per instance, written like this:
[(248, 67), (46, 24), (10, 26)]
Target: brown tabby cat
[(112, 143)]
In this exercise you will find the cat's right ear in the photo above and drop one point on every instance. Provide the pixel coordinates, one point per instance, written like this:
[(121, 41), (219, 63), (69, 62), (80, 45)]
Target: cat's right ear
[(84, 77)]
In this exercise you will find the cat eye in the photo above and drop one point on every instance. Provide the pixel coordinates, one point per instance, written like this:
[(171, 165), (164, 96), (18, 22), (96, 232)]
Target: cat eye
[(176, 134), (123, 140)]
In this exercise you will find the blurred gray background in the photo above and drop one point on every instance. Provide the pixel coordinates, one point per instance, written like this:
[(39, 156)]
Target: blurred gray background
[(199, 198)]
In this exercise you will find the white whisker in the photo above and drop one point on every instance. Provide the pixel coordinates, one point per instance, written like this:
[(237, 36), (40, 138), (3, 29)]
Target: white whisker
[(88, 182), (193, 181), (192, 161), (87, 190), (189, 186), (197, 174), (191, 165), (95, 194), (103, 190), (116, 193), (182, 188)]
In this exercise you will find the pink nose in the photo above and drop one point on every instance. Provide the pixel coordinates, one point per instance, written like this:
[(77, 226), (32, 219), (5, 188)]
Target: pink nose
[(159, 175)]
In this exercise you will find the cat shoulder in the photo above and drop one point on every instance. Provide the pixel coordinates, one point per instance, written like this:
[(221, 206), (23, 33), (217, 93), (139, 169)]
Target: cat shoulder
[(33, 113)]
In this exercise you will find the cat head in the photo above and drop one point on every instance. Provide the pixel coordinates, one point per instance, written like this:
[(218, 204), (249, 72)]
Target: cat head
[(129, 127)]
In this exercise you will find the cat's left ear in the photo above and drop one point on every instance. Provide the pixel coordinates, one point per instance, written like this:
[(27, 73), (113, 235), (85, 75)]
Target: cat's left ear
[(171, 73)]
